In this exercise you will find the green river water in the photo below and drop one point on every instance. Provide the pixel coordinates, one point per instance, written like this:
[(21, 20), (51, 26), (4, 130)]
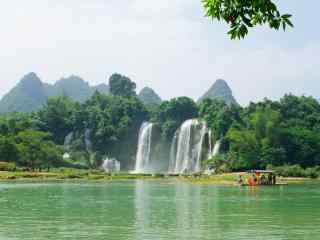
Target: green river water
[(144, 210)]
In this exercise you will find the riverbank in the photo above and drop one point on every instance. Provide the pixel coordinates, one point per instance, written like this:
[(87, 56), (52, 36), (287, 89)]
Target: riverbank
[(85, 175), (75, 174), (231, 179)]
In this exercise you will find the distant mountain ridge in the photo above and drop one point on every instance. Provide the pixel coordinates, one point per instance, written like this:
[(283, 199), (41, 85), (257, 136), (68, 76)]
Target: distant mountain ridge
[(149, 96), (220, 90), (30, 94)]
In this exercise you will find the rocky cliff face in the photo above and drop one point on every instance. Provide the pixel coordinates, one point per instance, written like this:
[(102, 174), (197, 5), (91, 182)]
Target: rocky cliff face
[(220, 90)]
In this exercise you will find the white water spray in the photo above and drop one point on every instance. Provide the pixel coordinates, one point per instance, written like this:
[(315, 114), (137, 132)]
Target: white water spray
[(87, 139), (189, 147), (210, 143), (111, 165), (216, 148), (68, 139), (144, 148)]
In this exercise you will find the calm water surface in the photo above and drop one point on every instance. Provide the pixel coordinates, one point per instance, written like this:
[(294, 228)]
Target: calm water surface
[(146, 210)]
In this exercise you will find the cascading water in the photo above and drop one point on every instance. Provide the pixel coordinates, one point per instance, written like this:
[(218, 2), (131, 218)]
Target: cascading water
[(210, 143), (144, 148), (199, 147), (87, 139), (111, 165), (189, 147), (173, 151), (67, 145), (216, 148), (67, 140)]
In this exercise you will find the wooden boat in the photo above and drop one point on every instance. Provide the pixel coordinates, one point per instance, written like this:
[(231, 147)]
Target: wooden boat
[(257, 181)]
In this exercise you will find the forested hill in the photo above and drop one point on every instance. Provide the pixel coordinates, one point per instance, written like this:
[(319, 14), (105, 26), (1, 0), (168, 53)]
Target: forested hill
[(220, 90), (28, 95), (263, 134), (31, 93), (149, 96)]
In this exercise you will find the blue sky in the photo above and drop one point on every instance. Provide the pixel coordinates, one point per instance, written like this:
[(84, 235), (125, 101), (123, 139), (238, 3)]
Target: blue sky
[(168, 45)]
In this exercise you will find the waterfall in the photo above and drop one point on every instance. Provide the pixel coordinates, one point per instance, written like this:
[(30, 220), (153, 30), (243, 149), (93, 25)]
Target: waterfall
[(189, 147), (87, 139), (210, 144), (68, 139), (199, 147), (216, 148), (173, 151), (144, 148), (111, 165)]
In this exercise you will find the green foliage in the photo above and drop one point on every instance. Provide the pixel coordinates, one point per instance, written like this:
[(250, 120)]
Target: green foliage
[(173, 113), (122, 86), (281, 133), (114, 122), (277, 133), (8, 149), (7, 166), (219, 116), (221, 163), (57, 117), (244, 14), (296, 171), (36, 150)]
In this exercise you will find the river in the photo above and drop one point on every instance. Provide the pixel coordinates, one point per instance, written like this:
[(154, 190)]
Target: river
[(155, 210)]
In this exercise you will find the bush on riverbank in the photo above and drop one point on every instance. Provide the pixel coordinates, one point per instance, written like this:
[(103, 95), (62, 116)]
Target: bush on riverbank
[(7, 166), (296, 171)]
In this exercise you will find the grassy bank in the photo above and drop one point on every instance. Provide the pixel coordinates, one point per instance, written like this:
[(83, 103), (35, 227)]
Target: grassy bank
[(64, 174), (231, 179), (87, 175)]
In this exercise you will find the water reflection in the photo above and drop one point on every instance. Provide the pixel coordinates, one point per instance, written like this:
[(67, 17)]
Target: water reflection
[(163, 214), (150, 210)]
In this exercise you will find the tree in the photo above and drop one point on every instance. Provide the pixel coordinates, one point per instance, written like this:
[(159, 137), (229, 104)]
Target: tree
[(244, 14), (174, 112), (30, 144), (122, 86), (8, 149), (219, 116), (52, 155), (56, 117)]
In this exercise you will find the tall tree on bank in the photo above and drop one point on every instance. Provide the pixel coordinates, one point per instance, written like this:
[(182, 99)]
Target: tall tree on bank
[(122, 86), (244, 14)]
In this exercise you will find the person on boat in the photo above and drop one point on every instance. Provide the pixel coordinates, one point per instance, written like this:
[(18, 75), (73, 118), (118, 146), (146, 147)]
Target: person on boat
[(274, 179), (240, 180), (250, 181), (270, 179), (255, 179), (263, 180)]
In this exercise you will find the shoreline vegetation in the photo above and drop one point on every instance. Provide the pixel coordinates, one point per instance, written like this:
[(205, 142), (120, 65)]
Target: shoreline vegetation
[(95, 175)]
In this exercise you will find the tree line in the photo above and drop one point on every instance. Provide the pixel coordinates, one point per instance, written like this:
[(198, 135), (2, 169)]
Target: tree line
[(284, 132)]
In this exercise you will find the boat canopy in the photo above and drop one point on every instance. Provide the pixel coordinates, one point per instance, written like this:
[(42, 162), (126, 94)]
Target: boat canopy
[(260, 171)]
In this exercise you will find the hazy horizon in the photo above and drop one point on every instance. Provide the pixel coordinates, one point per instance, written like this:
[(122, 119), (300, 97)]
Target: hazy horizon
[(171, 48)]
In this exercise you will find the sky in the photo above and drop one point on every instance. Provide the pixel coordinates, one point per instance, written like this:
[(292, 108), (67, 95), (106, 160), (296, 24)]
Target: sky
[(168, 45)]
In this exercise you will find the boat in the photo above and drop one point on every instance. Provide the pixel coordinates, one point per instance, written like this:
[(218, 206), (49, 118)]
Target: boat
[(260, 178)]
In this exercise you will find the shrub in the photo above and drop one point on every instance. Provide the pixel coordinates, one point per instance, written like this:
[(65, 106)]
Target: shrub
[(290, 171), (7, 166), (312, 172), (296, 171)]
